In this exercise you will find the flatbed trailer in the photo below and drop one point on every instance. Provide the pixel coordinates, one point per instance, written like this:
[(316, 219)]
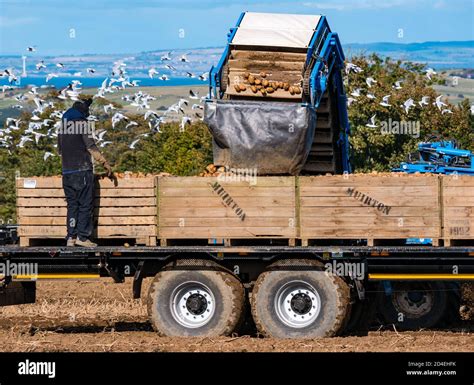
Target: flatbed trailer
[(435, 271)]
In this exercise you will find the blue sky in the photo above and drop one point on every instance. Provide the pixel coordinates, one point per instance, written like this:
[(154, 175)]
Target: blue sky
[(126, 26)]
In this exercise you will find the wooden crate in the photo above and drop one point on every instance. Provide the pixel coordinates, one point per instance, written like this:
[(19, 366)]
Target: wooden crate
[(126, 210), (458, 208), (209, 208), (371, 207)]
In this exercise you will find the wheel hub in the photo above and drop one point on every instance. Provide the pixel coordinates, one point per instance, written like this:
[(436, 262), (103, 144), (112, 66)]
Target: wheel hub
[(414, 303), (301, 303), (192, 304), (196, 304), (297, 304)]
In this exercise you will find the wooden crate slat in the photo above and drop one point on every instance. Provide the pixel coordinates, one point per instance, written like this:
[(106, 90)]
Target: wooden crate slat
[(458, 181), (215, 200), (406, 191), (102, 202), (229, 232), (349, 180), (267, 181), (267, 55), (358, 232), (239, 191), (59, 193), (367, 221), (104, 211), (226, 222), (225, 212), (391, 201), (102, 231), (56, 182), (330, 212), (61, 220)]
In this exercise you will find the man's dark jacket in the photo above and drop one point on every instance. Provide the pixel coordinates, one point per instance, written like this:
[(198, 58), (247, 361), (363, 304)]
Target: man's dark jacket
[(75, 140)]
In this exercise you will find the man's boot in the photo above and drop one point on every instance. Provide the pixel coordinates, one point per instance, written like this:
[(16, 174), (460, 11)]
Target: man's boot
[(85, 243)]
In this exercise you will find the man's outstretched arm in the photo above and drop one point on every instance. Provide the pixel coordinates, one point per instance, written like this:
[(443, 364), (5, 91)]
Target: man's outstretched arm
[(96, 154)]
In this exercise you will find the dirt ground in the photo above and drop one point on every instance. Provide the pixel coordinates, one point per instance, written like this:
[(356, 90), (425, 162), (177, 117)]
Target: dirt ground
[(99, 315)]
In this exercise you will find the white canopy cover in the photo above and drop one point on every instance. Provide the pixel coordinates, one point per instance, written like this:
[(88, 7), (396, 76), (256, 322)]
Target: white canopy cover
[(276, 30)]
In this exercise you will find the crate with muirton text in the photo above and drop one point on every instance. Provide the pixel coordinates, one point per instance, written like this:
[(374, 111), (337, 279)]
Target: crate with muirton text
[(214, 208), (379, 208), (125, 210)]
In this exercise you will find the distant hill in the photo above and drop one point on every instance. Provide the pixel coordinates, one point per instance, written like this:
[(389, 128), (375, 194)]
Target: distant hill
[(439, 55)]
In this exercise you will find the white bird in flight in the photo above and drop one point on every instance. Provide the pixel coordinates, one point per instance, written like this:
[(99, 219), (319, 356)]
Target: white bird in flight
[(439, 103), (408, 104), (424, 101), (152, 72), (371, 122), (370, 81), (398, 85), (384, 101), (166, 57), (430, 72), (356, 93), (133, 144)]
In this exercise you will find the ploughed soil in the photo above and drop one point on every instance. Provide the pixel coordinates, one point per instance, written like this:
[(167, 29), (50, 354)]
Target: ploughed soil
[(99, 315)]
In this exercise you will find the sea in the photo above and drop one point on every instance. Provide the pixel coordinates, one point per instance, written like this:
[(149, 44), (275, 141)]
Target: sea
[(95, 81)]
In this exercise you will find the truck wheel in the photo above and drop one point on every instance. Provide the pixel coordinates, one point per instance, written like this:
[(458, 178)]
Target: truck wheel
[(300, 303), (413, 305), (197, 303)]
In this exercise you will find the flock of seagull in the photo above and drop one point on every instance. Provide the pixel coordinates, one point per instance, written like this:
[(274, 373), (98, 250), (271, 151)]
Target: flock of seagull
[(38, 129), (408, 104)]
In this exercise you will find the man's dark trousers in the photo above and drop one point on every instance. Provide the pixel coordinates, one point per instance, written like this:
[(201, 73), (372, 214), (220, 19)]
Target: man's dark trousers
[(79, 190)]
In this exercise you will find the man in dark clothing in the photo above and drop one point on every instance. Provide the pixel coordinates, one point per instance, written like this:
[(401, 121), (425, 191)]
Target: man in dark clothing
[(76, 145)]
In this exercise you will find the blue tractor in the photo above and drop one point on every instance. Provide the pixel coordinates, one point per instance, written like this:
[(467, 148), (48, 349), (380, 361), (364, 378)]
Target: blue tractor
[(277, 98)]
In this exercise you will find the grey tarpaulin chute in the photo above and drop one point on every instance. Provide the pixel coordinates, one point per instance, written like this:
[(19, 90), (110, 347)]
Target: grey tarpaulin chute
[(273, 137)]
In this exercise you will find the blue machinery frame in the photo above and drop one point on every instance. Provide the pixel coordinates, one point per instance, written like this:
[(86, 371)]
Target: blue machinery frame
[(326, 60)]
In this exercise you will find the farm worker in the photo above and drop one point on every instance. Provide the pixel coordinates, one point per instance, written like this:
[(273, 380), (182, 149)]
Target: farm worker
[(76, 145)]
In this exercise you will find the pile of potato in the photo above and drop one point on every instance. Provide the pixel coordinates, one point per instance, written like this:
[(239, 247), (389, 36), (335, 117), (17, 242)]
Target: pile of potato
[(260, 84)]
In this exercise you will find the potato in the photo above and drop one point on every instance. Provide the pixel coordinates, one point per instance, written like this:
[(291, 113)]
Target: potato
[(251, 79), (265, 82), (246, 75), (242, 87), (270, 90), (263, 91), (263, 74), (286, 86), (258, 81), (297, 90), (254, 89), (292, 90), (237, 87)]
